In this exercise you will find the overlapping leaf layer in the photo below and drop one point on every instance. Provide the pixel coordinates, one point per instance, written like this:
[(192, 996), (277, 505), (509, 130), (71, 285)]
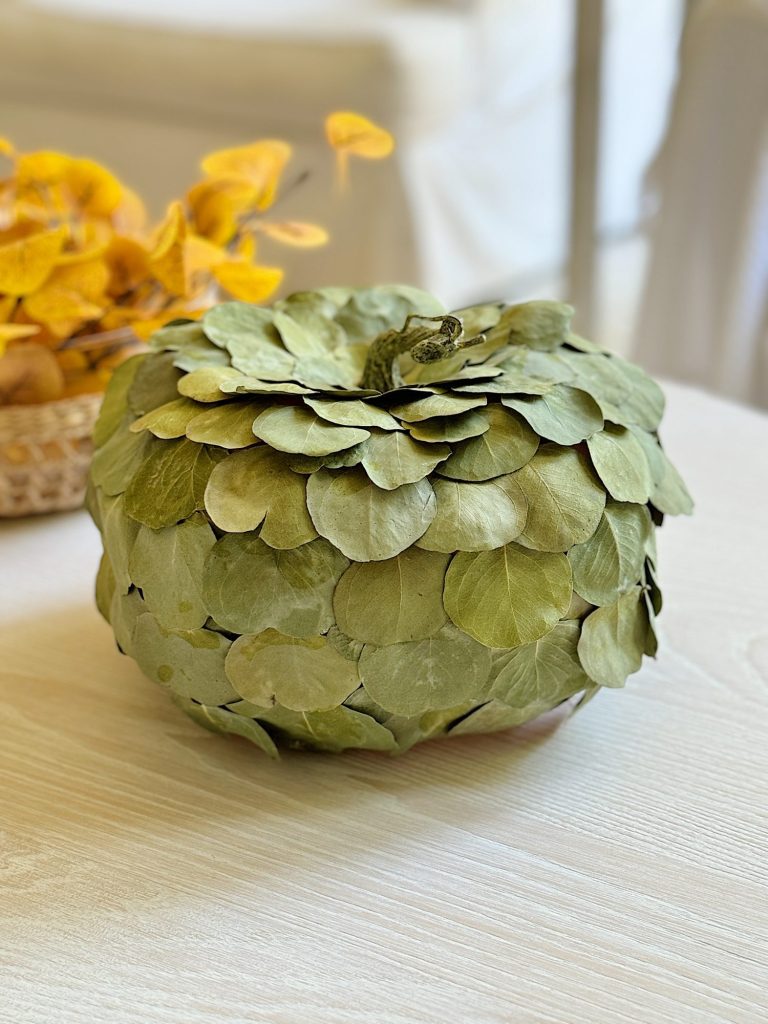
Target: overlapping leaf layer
[(354, 520)]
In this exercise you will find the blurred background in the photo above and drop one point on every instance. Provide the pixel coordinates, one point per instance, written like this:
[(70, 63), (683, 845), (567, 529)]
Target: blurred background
[(610, 152)]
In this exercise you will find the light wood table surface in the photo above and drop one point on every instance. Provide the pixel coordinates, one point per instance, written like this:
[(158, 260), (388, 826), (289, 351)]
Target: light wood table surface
[(608, 869)]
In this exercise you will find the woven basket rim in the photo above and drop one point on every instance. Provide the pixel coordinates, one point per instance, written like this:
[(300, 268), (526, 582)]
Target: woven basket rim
[(18, 408)]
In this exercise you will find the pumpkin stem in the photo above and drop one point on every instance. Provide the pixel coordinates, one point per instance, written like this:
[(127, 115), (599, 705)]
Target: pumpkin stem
[(425, 344)]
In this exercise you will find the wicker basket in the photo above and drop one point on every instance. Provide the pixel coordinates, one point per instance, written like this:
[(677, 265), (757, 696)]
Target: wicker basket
[(44, 454)]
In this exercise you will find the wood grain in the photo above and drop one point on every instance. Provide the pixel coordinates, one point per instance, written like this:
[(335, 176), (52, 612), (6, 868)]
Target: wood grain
[(610, 869)]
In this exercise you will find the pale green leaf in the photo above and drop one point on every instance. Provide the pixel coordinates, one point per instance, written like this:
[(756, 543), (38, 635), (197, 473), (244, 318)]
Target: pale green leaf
[(256, 486), (226, 426), (168, 565), (668, 494), (249, 587), (169, 420), (364, 521), (436, 405), (114, 405), (154, 383), (509, 596), (206, 384), (613, 638), (337, 729), (565, 501), (223, 720), (292, 428), (352, 413), (119, 459), (170, 484), (621, 464), (450, 428), (302, 674), (494, 717), (612, 559), (475, 516), (425, 675), (546, 671), (393, 459), (394, 600), (508, 444), (188, 662), (564, 414)]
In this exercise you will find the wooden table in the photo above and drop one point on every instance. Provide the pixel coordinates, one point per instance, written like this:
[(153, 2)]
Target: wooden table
[(610, 870)]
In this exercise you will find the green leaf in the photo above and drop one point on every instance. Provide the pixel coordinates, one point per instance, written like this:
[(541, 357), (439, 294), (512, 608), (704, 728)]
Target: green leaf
[(119, 532), (124, 613), (546, 671), (292, 428), (226, 721), (512, 381), (206, 384), (335, 730), (612, 559), (191, 346), (170, 484), (475, 516), (254, 386), (425, 675), (249, 587), (255, 486), (437, 405), (105, 586), (119, 459), (169, 420), (188, 662), (362, 520), (643, 404), (168, 566), (564, 414), (508, 444), (302, 674), (248, 333), (613, 638), (494, 717), (352, 413), (392, 601), (394, 459), (669, 494), (153, 384), (226, 426), (297, 338), (541, 324), (450, 428), (114, 405), (621, 464), (509, 596), (565, 501)]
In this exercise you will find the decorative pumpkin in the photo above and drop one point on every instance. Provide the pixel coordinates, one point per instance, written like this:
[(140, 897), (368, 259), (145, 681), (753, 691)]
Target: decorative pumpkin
[(352, 519)]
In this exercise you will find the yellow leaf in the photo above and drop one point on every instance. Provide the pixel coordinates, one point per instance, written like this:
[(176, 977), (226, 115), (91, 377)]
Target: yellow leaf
[(200, 254), (6, 147), (259, 164), (26, 263), (48, 177), (29, 373), (352, 134), (130, 217), (296, 233), (91, 188), (213, 211), (127, 264), (89, 278), (13, 332), (167, 258), (246, 282), (61, 310)]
